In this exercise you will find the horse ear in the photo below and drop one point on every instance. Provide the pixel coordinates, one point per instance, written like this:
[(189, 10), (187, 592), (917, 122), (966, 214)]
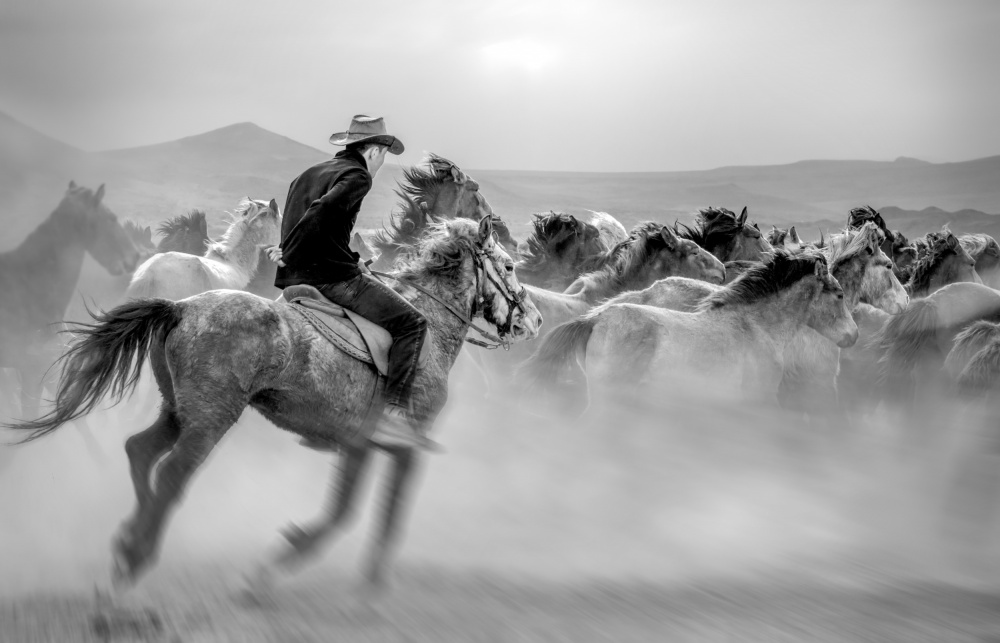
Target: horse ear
[(669, 238), (273, 205), (456, 175), (99, 194), (742, 220), (72, 185), (485, 229)]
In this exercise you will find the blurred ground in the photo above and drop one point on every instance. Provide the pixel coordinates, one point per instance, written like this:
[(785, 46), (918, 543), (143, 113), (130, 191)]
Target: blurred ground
[(435, 606), (679, 521)]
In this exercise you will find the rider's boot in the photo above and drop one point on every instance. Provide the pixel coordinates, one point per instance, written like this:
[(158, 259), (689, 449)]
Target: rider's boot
[(397, 430)]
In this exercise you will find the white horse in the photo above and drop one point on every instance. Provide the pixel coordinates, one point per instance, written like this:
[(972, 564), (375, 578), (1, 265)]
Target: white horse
[(228, 264), (611, 229)]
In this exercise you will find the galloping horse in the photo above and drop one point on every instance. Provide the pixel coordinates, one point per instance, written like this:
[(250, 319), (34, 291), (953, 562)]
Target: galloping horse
[(559, 249), (731, 239), (651, 252), (228, 264), (945, 262), (610, 229), (434, 190), (216, 353), (736, 339), (37, 280), (811, 363), (986, 253), (187, 233)]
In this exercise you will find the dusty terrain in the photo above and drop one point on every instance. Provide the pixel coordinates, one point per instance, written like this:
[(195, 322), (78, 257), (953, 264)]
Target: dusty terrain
[(709, 525)]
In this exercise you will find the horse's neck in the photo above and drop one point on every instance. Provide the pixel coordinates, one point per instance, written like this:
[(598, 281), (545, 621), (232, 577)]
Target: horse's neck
[(48, 264), (446, 329), (850, 275), (779, 316), (243, 257)]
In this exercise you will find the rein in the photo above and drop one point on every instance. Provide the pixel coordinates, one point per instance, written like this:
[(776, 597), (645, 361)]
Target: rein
[(500, 340)]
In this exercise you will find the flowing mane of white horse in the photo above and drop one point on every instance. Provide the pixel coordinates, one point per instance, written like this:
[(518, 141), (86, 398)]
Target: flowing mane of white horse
[(229, 263)]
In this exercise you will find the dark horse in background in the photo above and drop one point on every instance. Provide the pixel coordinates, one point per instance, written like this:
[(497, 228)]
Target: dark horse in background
[(38, 278)]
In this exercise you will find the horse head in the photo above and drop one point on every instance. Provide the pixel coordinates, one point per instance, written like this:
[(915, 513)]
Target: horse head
[(677, 257), (444, 190), (828, 313), (748, 244), (505, 303), (98, 229)]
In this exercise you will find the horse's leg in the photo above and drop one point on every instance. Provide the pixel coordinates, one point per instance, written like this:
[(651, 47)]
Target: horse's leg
[(303, 542), (404, 461), (148, 446), (140, 538)]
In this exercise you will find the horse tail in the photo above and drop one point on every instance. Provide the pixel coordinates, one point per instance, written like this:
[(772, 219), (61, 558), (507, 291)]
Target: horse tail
[(982, 372), (969, 342), (904, 338), (559, 364), (105, 357)]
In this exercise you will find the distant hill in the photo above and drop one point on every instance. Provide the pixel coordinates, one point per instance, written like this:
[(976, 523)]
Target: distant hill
[(212, 171)]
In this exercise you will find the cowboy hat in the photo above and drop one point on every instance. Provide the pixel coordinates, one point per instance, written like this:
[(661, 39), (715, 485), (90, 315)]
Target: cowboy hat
[(367, 129)]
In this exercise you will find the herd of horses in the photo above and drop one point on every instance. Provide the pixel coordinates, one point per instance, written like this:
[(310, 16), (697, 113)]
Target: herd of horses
[(594, 314)]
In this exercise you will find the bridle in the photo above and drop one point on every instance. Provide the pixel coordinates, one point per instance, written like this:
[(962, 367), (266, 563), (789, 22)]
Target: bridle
[(513, 299)]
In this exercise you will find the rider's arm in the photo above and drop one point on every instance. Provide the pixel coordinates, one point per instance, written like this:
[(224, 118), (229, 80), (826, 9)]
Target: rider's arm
[(351, 187)]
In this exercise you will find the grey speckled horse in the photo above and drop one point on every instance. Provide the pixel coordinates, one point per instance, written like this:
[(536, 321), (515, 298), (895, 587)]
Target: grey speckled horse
[(216, 353)]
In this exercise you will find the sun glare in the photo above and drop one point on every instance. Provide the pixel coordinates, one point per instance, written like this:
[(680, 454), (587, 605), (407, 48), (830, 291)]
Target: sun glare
[(521, 54)]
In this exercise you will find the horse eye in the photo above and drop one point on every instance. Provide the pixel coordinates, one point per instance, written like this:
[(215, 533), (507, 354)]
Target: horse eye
[(510, 268)]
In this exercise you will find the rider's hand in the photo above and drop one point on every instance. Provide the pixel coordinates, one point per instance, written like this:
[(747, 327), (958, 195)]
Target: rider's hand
[(274, 254)]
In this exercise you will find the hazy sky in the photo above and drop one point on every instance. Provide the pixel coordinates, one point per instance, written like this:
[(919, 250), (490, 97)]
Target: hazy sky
[(575, 85)]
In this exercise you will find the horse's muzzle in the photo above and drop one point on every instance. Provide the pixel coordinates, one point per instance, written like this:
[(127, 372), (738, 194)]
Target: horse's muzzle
[(849, 339), (525, 328)]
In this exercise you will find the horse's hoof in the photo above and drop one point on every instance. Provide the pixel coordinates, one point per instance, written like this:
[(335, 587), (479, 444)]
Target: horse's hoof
[(299, 538), (118, 623), (122, 576), (125, 566), (258, 590)]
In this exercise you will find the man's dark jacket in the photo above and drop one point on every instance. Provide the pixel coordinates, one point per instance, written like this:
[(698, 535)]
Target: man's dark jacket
[(320, 212)]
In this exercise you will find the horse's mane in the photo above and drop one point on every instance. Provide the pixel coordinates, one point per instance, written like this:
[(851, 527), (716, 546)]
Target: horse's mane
[(713, 227), (406, 225), (770, 277), (939, 244), (627, 258), (861, 215), (899, 240), (850, 243), (193, 220), (546, 230), (441, 250), (977, 244)]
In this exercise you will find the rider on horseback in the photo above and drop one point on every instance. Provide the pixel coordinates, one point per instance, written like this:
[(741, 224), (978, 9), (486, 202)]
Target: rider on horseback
[(320, 212)]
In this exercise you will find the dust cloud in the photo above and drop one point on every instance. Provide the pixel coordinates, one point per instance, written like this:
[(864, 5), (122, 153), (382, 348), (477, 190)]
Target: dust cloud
[(667, 492)]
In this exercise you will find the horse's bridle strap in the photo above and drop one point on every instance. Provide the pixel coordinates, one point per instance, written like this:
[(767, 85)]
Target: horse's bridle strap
[(490, 336)]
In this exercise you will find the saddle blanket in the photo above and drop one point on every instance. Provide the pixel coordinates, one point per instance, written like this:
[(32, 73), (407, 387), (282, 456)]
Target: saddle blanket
[(360, 338)]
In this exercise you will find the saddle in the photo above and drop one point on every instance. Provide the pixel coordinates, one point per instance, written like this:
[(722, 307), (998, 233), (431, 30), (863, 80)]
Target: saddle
[(357, 336)]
